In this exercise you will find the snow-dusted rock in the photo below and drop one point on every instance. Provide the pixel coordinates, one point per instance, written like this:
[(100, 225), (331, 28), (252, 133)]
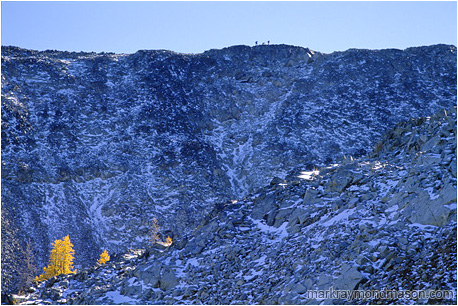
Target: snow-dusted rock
[(349, 279), (96, 145), (374, 245)]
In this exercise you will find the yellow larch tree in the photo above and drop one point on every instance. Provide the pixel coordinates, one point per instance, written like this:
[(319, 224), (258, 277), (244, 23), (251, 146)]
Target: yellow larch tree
[(60, 260), (168, 241), (104, 257)]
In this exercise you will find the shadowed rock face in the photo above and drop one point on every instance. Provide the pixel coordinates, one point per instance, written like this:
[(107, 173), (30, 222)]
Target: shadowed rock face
[(96, 145)]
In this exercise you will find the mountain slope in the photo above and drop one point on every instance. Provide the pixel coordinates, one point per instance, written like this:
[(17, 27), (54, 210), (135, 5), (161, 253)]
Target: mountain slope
[(96, 145), (384, 222)]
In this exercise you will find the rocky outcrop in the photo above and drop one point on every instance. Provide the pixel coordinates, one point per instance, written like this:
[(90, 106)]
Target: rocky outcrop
[(351, 225), (96, 145)]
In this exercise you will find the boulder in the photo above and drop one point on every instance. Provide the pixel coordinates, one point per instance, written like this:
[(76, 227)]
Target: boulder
[(55, 293), (431, 143), (299, 288), (282, 215), (263, 205), (448, 194), (296, 219), (311, 196), (452, 168), (150, 275), (168, 281), (339, 182), (132, 290), (324, 282), (427, 211), (277, 181), (349, 278)]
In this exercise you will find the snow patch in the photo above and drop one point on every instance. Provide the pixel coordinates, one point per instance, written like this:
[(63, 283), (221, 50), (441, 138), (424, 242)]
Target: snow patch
[(308, 175), (118, 298), (280, 232), (342, 216)]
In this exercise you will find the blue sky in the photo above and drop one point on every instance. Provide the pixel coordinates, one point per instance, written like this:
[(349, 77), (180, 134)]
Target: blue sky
[(193, 27)]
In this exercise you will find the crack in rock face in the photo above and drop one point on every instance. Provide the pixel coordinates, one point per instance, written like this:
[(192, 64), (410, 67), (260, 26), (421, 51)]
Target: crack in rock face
[(96, 145)]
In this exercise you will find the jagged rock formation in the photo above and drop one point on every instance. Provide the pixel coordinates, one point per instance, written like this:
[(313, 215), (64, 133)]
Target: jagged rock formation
[(382, 222), (95, 145)]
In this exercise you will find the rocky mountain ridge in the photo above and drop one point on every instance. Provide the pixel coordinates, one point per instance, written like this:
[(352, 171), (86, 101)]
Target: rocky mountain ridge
[(382, 222), (96, 145)]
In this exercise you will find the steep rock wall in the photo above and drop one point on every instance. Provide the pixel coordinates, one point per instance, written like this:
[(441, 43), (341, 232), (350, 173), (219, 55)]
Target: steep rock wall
[(95, 145)]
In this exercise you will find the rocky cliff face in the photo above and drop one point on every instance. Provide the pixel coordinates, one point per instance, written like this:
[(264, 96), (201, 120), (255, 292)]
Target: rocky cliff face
[(382, 222), (96, 145)]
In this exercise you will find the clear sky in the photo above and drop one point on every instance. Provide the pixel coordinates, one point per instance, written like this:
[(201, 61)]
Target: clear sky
[(193, 27)]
